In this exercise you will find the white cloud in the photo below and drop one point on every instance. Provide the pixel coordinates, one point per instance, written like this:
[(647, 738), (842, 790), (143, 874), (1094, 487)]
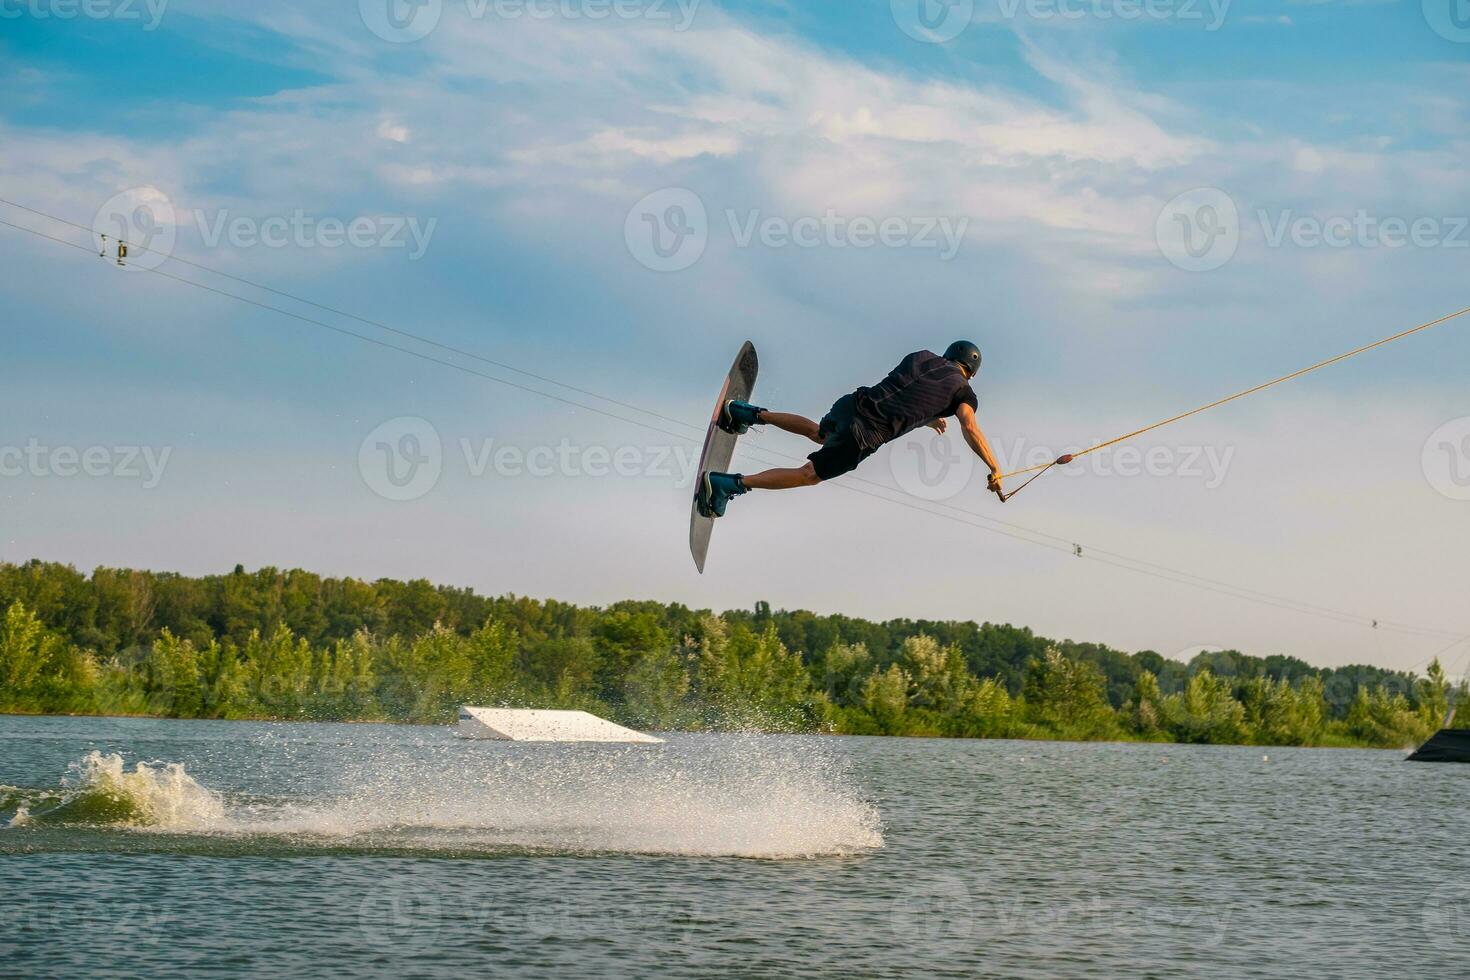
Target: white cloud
[(392, 131)]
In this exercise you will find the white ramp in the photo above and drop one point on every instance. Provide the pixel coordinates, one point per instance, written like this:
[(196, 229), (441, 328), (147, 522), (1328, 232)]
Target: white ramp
[(535, 725)]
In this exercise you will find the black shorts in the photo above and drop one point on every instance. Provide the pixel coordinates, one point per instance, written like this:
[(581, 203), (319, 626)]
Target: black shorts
[(840, 453)]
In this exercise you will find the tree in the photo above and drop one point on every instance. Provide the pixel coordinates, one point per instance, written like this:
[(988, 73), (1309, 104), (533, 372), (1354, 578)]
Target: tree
[(885, 698), (1432, 694), (1205, 712), (492, 658), (561, 669), (844, 670), (754, 681), (27, 648), (279, 671), (289, 643), (1277, 714), (224, 686), (1143, 707), (938, 678), (1378, 717), (986, 713), (173, 678), (623, 639), (1067, 696), (656, 690)]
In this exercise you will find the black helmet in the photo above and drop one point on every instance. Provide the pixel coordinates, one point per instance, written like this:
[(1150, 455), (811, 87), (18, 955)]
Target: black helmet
[(966, 355)]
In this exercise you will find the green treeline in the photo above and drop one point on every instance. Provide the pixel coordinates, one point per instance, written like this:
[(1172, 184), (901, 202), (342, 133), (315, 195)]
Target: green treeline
[(294, 645)]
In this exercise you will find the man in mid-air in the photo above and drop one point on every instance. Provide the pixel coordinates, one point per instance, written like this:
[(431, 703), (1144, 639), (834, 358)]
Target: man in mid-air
[(925, 389)]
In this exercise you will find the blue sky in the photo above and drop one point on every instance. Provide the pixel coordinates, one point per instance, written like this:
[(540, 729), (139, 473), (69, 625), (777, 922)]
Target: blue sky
[(521, 145)]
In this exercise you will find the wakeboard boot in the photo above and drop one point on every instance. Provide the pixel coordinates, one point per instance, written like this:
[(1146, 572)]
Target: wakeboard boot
[(736, 417), (716, 491)]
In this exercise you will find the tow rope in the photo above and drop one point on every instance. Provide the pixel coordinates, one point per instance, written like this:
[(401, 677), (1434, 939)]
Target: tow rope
[(1042, 468)]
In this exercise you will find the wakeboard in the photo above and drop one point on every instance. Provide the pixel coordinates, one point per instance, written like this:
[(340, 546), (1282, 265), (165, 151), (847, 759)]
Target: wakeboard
[(719, 446)]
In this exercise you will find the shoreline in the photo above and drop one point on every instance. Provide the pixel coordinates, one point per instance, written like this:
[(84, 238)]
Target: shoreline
[(826, 734)]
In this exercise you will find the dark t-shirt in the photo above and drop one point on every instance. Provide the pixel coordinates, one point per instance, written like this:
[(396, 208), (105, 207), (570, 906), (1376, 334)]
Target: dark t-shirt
[(923, 387)]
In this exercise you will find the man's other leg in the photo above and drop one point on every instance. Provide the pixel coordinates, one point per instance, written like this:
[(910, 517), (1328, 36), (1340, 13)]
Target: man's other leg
[(784, 479)]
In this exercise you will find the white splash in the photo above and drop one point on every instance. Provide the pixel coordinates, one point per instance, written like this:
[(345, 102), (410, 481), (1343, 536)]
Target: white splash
[(157, 795), (742, 796), (713, 795)]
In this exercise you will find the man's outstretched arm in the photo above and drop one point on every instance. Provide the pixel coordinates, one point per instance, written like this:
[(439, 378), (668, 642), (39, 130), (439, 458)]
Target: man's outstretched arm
[(971, 429)]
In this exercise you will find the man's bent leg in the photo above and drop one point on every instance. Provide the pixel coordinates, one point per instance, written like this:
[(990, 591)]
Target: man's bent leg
[(795, 424), (787, 479)]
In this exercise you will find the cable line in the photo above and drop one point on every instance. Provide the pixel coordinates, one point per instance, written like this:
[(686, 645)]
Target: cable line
[(360, 319), (1064, 460)]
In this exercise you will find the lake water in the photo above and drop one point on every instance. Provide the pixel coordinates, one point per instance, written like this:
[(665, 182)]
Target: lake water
[(375, 850)]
